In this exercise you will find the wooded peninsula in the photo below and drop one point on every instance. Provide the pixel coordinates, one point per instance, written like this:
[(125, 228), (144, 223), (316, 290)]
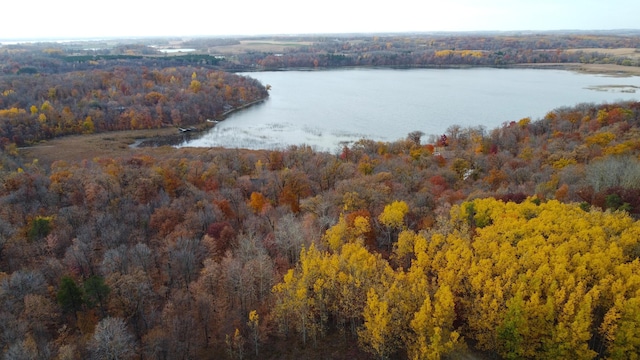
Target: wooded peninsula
[(519, 242)]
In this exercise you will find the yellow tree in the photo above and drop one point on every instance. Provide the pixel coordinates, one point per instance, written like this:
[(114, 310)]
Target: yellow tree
[(624, 337), (393, 218), (433, 327), (342, 233), (297, 308), (376, 334)]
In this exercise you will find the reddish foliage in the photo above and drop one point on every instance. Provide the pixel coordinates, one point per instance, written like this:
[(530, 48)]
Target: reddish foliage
[(225, 207), (223, 236), (440, 160), (493, 149), (512, 197), (164, 220)]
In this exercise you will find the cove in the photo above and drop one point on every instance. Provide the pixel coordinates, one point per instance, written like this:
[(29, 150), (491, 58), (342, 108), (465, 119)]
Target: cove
[(327, 109)]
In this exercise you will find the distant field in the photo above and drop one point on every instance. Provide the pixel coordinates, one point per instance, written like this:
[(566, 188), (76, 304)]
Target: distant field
[(630, 52), (259, 45)]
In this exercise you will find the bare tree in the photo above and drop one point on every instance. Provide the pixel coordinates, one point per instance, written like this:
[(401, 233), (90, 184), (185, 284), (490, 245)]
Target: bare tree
[(609, 172), (140, 255), (289, 236), (112, 340), (415, 137)]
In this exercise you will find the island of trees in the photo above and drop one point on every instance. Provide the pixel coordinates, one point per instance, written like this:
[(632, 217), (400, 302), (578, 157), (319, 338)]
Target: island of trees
[(521, 241)]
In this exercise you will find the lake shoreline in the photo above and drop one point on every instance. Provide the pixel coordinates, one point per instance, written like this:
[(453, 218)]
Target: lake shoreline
[(192, 133)]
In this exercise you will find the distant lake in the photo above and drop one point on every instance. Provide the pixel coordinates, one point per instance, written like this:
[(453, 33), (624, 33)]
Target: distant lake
[(328, 108)]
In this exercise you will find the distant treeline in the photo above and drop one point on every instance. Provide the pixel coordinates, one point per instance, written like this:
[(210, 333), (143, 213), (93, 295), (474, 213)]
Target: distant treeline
[(416, 51), (188, 59), (336, 51)]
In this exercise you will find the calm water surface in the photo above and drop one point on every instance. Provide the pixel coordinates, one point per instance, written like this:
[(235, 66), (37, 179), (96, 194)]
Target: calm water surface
[(328, 108)]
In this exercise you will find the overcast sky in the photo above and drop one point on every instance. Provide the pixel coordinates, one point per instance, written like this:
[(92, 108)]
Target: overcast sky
[(29, 19)]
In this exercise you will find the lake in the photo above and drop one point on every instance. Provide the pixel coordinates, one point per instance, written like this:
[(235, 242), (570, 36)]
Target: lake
[(328, 108)]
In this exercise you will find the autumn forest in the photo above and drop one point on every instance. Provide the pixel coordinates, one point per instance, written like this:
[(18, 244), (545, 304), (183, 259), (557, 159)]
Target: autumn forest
[(519, 242)]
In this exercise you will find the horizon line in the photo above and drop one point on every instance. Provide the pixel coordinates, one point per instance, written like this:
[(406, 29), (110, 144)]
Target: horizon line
[(364, 33)]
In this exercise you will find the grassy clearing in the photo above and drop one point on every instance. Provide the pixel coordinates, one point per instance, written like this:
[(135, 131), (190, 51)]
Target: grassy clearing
[(260, 46), (81, 147), (630, 52)]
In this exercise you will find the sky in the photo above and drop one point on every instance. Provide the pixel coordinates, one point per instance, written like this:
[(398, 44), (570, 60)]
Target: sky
[(76, 19)]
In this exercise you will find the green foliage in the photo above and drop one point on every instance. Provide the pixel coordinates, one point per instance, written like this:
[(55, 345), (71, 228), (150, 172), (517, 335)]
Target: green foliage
[(95, 291), (27, 70), (39, 228), (510, 332), (85, 58), (69, 296)]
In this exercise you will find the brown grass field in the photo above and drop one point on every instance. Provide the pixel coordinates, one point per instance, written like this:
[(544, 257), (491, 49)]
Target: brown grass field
[(87, 147), (259, 45), (117, 144), (630, 52)]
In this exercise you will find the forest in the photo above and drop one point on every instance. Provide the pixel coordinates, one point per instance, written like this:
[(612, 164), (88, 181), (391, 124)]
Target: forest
[(35, 108), (519, 242), (275, 53)]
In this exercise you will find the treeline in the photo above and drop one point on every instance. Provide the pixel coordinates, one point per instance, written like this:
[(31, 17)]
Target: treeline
[(34, 107), (421, 50), (446, 50), (520, 241)]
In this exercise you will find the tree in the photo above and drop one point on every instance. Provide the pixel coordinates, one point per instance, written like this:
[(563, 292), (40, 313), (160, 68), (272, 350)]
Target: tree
[(393, 218), (375, 334), (69, 295), (40, 227), (393, 214), (235, 345), (257, 202), (432, 327), (415, 137), (623, 335), (129, 296), (254, 326), (96, 292), (112, 341), (511, 331)]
